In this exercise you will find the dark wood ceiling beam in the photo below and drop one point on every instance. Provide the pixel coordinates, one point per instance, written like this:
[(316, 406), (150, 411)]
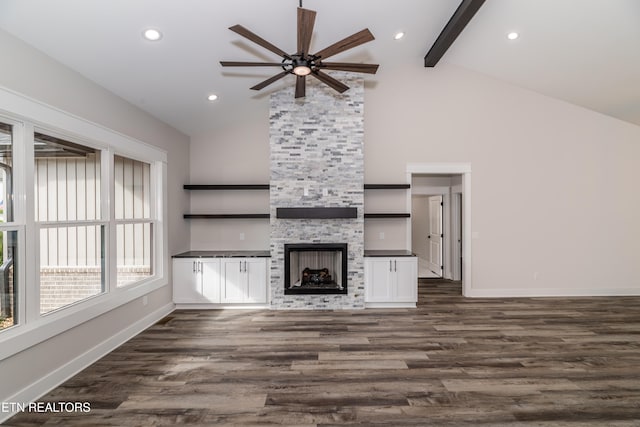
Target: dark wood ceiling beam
[(452, 30)]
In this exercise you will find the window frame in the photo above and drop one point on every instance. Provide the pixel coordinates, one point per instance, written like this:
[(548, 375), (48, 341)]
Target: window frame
[(27, 114), (101, 222), (18, 222), (153, 220), (18, 271)]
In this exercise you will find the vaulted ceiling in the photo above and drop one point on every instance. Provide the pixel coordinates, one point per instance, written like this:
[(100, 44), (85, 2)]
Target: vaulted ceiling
[(585, 52)]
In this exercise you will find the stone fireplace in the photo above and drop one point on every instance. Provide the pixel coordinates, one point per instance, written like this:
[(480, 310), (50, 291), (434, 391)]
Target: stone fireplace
[(317, 196)]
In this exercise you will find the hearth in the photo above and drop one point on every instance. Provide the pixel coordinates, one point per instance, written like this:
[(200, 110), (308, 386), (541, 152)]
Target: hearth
[(315, 268)]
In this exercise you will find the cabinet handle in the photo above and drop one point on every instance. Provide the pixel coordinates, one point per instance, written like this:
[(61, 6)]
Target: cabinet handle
[(193, 265), (395, 265), (390, 265), (199, 267), (245, 266)]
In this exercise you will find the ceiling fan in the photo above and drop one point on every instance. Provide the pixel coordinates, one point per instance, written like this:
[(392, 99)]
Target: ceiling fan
[(302, 63)]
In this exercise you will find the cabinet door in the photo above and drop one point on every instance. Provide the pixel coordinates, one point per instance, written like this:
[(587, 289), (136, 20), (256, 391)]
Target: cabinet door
[(377, 279), (187, 283), (211, 280), (256, 270), (234, 280), (406, 279)]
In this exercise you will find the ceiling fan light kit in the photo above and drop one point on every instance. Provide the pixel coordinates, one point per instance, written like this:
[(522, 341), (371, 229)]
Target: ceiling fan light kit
[(301, 67), (302, 63)]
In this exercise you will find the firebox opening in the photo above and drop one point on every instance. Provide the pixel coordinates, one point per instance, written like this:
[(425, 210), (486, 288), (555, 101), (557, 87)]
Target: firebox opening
[(318, 268)]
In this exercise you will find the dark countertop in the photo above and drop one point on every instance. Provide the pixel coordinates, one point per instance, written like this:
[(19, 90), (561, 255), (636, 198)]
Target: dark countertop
[(267, 254), (223, 254), (388, 253)]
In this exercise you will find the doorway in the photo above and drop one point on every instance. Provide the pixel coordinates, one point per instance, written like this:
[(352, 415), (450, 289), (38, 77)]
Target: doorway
[(441, 190), (427, 234)]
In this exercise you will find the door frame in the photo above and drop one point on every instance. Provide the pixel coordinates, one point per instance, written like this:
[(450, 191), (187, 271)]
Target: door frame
[(463, 169), (456, 232)]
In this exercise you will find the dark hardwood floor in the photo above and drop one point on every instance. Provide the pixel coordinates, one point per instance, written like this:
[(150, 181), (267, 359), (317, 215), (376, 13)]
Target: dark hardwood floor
[(451, 362)]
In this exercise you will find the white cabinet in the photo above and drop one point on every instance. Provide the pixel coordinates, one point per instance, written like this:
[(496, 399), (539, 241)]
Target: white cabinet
[(210, 272), (187, 282), (244, 280), (406, 279), (391, 280), (196, 280), (219, 280)]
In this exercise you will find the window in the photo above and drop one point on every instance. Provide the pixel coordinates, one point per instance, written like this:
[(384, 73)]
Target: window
[(6, 172), (60, 226), (68, 212), (134, 225), (8, 233)]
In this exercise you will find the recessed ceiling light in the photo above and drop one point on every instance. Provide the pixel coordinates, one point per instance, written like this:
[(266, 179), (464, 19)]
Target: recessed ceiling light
[(513, 35), (152, 34), (398, 35), (212, 97)]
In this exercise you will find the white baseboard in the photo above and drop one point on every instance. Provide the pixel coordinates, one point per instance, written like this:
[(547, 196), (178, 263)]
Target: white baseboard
[(552, 292), (47, 383), (389, 305), (213, 306)]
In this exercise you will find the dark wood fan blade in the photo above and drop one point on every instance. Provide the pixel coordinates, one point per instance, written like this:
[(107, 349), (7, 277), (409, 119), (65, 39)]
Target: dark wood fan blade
[(270, 80), (306, 20), (301, 86), (346, 66), (353, 40), (330, 81), (250, 64), (239, 29)]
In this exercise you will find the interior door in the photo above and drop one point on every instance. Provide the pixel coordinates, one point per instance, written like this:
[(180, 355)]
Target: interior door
[(435, 235)]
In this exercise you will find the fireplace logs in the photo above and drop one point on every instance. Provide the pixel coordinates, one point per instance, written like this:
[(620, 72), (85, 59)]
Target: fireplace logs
[(316, 277)]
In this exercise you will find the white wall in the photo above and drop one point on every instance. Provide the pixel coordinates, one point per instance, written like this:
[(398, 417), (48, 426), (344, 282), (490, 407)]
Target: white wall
[(546, 174), (27, 71), (235, 154)]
